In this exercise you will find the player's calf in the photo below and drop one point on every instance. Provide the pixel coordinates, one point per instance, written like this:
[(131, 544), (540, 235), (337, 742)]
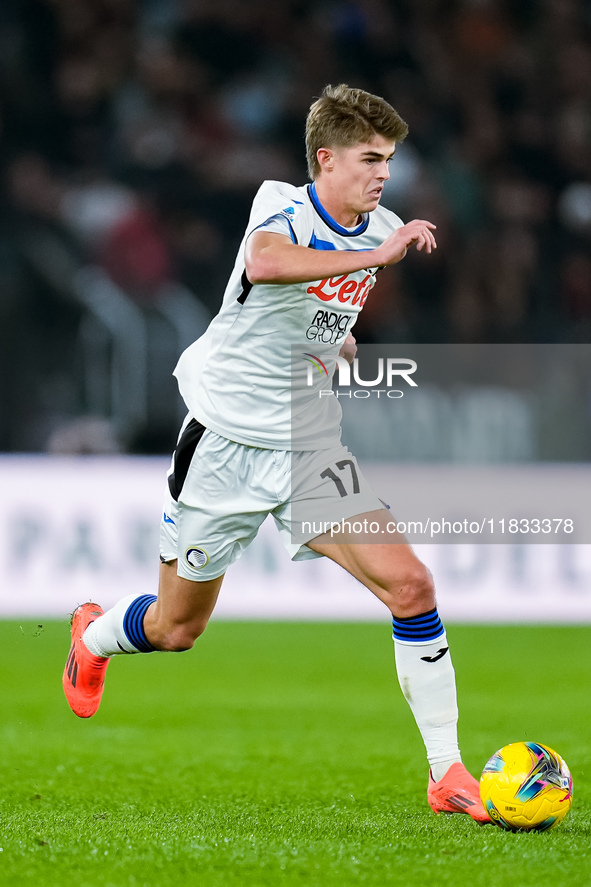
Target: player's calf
[(177, 638)]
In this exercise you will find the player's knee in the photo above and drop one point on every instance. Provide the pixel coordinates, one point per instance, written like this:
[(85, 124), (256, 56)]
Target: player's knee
[(412, 592)]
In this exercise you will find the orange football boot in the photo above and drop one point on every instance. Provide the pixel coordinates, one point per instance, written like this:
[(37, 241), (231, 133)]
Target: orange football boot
[(84, 674), (457, 792)]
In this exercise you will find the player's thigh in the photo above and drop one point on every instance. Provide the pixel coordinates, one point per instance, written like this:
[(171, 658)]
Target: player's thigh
[(181, 602), (390, 569), (216, 499), (322, 488)]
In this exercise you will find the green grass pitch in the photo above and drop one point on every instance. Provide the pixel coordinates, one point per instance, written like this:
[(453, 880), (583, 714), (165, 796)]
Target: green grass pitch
[(279, 754)]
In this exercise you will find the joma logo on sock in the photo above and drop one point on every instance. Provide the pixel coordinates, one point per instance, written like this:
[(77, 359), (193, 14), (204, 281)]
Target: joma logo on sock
[(440, 654)]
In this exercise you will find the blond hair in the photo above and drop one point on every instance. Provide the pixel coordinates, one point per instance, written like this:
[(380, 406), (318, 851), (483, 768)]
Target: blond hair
[(343, 117)]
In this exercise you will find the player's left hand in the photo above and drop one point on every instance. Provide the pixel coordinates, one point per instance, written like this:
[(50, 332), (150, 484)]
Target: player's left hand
[(395, 246), (349, 348)]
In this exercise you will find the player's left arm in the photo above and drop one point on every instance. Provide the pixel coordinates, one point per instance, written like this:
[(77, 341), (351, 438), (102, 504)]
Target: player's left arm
[(270, 257)]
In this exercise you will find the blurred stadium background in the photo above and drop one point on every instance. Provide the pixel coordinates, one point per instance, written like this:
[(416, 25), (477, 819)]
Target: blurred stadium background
[(133, 138)]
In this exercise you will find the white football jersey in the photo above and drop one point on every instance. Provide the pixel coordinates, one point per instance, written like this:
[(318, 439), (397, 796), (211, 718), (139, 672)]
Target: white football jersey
[(237, 378)]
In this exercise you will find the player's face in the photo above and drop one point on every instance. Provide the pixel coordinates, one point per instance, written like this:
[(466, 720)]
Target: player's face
[(358, 173)]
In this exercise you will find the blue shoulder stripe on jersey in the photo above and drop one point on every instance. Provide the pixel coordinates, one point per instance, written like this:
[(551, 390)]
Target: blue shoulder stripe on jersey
[(282, 217), (328, 219), (317, 243)]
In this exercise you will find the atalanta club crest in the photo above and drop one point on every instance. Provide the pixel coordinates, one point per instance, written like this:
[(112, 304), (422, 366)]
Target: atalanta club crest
[(196, 558)]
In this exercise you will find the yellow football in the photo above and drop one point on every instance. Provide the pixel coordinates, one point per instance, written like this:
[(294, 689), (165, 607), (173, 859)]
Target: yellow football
[(526, 786)]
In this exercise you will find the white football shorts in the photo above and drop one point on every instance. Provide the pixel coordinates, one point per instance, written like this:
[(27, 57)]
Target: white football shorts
[(219, 493)]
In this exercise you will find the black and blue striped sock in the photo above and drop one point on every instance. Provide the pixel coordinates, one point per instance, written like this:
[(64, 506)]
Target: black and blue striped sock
[(427, 679), (418, 629), (133, 623), (121, 629)]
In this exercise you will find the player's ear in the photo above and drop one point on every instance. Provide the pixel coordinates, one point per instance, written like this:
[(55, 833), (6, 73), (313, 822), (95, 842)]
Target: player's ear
[(325, 158)]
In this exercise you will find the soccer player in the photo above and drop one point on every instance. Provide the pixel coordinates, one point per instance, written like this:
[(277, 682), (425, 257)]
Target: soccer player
[(305, 249)]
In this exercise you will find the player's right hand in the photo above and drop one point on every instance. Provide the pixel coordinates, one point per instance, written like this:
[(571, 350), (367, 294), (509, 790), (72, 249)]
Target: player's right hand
[(395, 246)]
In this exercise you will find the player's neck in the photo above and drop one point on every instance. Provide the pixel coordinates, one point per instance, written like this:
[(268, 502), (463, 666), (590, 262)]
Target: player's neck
[(335, 206)]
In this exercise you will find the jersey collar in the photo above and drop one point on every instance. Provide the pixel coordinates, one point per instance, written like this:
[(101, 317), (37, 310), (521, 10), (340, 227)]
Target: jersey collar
[(328, 219)]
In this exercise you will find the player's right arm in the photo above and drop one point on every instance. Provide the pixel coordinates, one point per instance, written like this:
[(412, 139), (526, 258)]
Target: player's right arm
[(273, 258)]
